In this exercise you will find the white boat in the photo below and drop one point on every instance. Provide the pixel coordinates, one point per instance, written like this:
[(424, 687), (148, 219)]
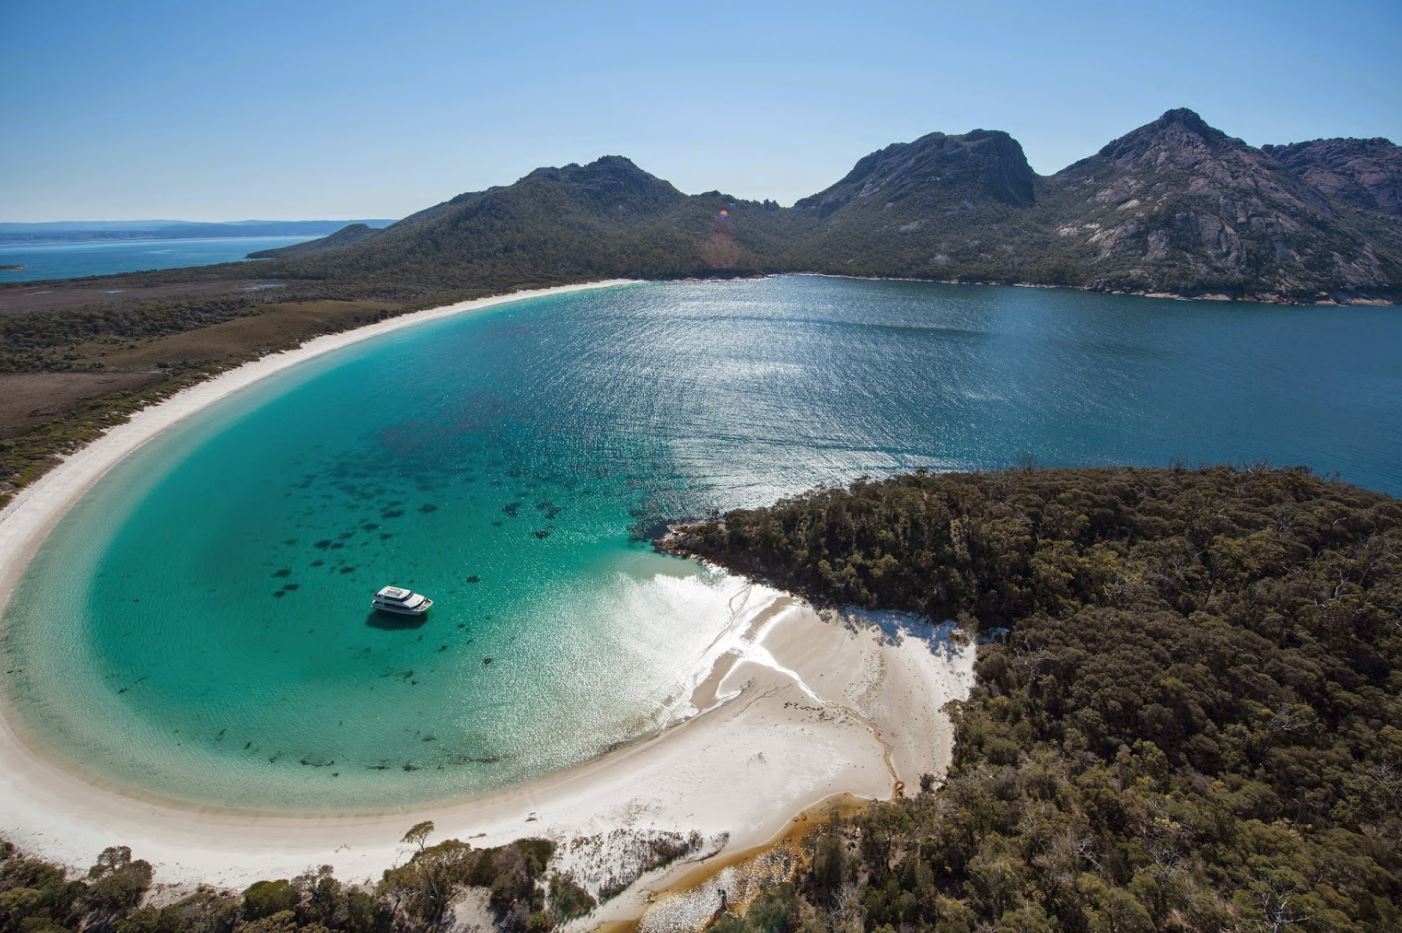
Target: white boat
[(400, 601)]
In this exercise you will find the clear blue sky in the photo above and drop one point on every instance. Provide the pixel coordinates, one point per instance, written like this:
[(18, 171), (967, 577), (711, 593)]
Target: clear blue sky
[(309, 109)]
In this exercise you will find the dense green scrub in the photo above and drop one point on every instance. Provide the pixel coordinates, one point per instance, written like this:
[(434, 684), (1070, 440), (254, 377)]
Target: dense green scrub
[(1189, 717), (418, 895)]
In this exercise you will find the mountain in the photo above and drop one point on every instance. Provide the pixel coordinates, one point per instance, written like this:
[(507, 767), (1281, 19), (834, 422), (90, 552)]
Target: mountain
[(936, 172), (1365, 173), (605, 219), (348, 235), (941, 207), (1178, 206), (1174, 207)]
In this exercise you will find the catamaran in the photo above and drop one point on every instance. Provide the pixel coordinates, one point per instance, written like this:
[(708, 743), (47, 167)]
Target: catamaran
[(403, 602)]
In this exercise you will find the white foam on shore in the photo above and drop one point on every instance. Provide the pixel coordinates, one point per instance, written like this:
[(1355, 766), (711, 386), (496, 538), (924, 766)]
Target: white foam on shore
[(750, 649)]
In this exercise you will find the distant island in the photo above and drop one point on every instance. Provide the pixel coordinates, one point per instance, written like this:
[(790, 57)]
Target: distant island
[(60, 231)]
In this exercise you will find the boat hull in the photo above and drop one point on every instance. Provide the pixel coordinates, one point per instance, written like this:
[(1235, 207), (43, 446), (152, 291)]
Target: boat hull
[(402, 610)]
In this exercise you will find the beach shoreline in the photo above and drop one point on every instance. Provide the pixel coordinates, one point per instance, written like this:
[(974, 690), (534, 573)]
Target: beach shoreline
[(810, 707), (793, 709), (34, 509)]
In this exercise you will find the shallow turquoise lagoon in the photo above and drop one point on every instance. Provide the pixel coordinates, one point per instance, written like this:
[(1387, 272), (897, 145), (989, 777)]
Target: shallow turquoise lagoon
[(198, 626)]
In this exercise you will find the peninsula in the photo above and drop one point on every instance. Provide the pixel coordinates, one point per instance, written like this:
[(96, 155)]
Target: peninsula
[(1142, 741)]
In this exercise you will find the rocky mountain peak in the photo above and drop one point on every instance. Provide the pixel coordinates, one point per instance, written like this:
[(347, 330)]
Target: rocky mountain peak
[(1187, 119), (612, 183), (1179, 135), (1175, 206), (979, 165), (1364, 173)]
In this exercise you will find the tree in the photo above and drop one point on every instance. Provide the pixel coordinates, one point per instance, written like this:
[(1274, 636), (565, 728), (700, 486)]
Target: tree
[(418, 834)]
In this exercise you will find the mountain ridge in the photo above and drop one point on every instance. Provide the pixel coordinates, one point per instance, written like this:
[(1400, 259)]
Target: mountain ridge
[(1366, 172), (1173, 207), (348, 235)]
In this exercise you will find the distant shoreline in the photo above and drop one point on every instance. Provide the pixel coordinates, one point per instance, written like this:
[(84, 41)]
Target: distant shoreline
[(1171, 296)]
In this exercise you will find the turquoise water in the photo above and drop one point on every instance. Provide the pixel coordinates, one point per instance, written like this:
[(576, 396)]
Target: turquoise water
[(74, 259), (198, 626)]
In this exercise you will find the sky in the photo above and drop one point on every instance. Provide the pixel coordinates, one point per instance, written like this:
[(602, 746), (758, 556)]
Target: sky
[(303, 109)]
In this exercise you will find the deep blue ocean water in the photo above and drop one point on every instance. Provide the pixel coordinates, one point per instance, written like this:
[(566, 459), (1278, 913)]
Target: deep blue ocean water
[(198, 625), (73, 259)]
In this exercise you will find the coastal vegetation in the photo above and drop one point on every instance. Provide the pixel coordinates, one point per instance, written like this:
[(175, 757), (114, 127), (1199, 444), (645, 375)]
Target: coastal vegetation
[(146, 351), (514, 887), (420, 894), (1187, 709)]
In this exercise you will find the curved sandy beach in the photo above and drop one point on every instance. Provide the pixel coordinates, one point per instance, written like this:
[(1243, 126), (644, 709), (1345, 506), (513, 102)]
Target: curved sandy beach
[(794, 709)]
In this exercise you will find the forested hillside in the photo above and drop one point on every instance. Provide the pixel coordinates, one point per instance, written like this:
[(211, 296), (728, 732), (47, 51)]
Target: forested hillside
[(556, 225), (348, 235), (1189, 715)]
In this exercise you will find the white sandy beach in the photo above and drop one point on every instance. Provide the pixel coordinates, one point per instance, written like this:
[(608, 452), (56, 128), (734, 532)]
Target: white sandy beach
[(794, 709)]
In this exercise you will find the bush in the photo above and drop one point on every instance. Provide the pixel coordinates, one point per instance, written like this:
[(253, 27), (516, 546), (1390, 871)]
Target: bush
[(265, 898), (569, 900)]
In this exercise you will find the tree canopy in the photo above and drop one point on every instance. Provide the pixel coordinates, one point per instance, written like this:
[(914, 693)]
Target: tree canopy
[(1187, 711)]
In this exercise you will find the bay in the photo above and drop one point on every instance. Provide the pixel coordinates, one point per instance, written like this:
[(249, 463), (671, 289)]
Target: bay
[(198, 626)]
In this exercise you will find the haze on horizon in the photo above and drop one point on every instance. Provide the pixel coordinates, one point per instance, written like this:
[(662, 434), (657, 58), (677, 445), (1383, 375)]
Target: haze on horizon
[(288, 111)]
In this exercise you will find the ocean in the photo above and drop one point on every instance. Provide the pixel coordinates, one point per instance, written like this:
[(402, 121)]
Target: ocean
[(71, 259), (199, 625)]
